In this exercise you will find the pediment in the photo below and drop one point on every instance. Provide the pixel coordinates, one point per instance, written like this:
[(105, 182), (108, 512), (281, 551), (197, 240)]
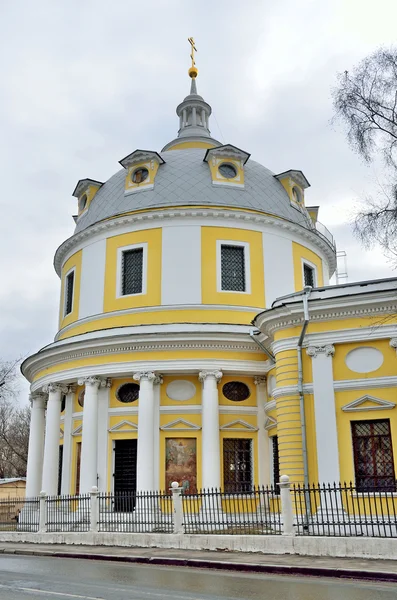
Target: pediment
[(368, 403), (270, 423), (180, 425), (238, 425), (124, 426), (78, 430)]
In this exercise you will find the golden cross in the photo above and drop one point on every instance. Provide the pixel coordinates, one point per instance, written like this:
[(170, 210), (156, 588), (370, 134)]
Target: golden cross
[(194, 49)]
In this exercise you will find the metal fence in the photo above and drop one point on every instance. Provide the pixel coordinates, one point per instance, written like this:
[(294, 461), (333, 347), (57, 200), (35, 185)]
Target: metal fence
[(343, 510), (18, 514), (212, 511), (136, 513), (68, 513)]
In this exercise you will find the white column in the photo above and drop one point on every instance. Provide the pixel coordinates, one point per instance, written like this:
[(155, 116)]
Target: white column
[(145, 453), (194, 116), (203, 118), (156, 432), (180, 121), (210, 437), (51, 444), (325, 414), (184, 117), (89, 442), (36, 446), (103, 436), (263, 438), (67, 441)]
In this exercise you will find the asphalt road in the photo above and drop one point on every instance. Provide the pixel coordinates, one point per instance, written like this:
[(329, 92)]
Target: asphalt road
[(23, 577)]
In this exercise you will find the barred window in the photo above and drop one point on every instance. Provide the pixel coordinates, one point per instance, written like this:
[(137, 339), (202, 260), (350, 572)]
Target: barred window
[(373, 455), (237, 465), (237, 391), (132, 271), (128, 392), (232, 268), (276, 464), (308, 275), (69, 293)]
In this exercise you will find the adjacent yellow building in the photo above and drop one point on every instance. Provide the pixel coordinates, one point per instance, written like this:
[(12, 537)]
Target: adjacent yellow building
[(199, 340)]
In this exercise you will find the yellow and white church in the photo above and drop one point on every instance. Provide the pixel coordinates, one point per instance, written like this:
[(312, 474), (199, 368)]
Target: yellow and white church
[(199, 339)]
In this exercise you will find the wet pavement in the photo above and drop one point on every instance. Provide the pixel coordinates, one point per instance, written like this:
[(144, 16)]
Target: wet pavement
[(23, 577)]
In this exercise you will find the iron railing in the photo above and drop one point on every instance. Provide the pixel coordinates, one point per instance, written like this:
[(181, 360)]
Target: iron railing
[(343, 510), (68, 513), (18, 514), (212, 511), (136, 513)]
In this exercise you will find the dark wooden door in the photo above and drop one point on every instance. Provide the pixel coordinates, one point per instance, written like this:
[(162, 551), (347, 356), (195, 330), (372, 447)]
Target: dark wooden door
[(125, 452)]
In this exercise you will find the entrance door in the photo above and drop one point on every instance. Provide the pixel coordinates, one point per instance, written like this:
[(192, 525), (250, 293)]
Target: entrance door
[(125, 475)]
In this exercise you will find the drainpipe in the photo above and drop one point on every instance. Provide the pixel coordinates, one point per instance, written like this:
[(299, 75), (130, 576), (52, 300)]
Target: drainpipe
[(254, 336), (307, 291)]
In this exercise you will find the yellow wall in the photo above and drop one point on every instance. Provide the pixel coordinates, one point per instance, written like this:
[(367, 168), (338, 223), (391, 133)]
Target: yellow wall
[(184, 145), (299, 252), (73, 261), (153, 284), (210, 295)]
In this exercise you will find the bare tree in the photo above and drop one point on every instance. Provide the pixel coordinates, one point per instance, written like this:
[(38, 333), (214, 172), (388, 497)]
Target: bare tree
[(365, 100), (14, 425)]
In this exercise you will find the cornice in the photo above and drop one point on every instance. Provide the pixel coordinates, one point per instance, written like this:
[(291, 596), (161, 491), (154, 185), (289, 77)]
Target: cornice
[(207, 213), (344, 385), (58, 354)]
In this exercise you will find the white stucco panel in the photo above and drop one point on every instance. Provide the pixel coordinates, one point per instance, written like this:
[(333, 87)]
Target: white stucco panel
[(92, 284), (279, 266), (181, 265), (364, 360)]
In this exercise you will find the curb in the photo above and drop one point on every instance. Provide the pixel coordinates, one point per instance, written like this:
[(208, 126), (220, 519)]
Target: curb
[(338, 573)]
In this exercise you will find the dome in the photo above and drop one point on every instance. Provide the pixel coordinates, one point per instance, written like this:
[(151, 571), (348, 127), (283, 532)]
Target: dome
[(184, 180)]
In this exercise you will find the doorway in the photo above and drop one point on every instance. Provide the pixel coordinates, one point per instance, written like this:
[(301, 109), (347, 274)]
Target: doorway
[(125, 454)]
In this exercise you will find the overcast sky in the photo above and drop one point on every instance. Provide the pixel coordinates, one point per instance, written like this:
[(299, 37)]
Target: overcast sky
[(85, 82)]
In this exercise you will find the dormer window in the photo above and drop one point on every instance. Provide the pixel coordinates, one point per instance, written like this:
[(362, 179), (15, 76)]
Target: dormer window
[(82, 202), (85, 191), (227, 170), (140, 175), (297, 195)]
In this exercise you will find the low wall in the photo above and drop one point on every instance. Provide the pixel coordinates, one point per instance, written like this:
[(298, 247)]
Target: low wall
[(350, 547)]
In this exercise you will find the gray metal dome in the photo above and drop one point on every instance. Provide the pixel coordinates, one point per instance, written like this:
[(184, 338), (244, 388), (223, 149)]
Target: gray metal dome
[(185, 180)]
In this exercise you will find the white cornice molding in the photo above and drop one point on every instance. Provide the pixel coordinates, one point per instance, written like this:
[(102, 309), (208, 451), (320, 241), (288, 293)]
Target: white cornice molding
[(269, 406), (180, 366), (124, 426), (344, 385), (198, 214), (358, 405), (238, 425), (180, 425)]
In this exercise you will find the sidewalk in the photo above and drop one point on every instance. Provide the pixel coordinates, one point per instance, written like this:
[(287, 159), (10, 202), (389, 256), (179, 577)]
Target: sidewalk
[(357, 568)]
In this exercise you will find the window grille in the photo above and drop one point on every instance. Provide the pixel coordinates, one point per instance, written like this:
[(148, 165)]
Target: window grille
[(373, 455), (69, 293), (276, 465), (308, 275), (232, 268), (132, 271), (78, 464), (237, 465), (128, 392), (237, 391)]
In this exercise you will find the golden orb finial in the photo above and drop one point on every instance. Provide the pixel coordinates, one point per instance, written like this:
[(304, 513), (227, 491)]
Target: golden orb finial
[(193, 71)]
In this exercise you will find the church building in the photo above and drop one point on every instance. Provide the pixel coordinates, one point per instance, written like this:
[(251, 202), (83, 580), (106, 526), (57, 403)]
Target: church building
[(199, 340)]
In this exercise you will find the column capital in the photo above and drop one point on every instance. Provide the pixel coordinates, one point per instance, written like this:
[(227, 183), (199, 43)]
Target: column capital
[(94, 381), (217, 375), (314, 351), (260, 380), (148, 375), (393, 343), (55, 387), (158, 380), (38, 400), (72, 388)]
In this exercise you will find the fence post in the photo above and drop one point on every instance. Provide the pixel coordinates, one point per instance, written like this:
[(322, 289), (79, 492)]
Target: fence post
[(94, 509), (42, 512), (178, 508), (286, 506)]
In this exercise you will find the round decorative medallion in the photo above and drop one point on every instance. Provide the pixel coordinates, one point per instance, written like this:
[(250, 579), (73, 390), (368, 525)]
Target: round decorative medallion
[(237, 391), (140, 175), (228, 171), (181, 390), (80, 398), (364, 360), (128, 392)]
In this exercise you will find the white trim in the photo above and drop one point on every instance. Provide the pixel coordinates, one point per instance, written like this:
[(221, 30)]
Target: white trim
[(247, 265), (242, 426), (123, 411), (344, 385), (356, 405), (270, 405), (65, 289), (119, 282), (270, 423), (77, 431), (128, 424), (183, 426)]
